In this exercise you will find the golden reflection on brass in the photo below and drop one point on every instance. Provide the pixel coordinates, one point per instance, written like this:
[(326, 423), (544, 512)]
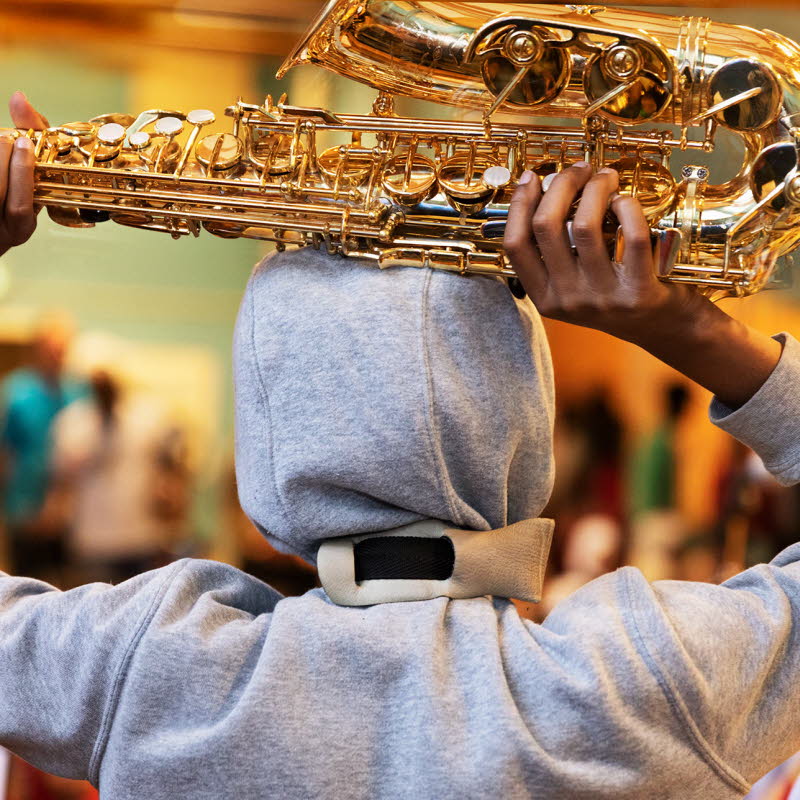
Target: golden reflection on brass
[(435, 193)]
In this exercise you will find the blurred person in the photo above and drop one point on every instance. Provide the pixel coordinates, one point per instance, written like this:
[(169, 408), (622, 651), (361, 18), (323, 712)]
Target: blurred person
[(31, 398), (123, 462), (591, 547), (757, 516), (658, 528), (653, 471), (603, 491), (372, 407)]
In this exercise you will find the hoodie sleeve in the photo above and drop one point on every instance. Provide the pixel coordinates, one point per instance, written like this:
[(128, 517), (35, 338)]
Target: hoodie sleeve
[(769, 423), (63, 659), (728, 659)]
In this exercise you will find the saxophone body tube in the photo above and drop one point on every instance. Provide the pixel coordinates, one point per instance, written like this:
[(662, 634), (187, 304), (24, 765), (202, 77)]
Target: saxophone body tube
[(522, 86)]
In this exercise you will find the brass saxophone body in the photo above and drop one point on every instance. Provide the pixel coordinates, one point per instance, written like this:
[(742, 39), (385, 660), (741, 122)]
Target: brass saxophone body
[(633, 87)]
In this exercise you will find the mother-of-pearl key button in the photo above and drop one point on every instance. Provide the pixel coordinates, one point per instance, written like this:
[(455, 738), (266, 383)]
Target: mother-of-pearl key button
[(169, 126), (547, 180), (139, 140), (496, 176), (111, 134), (200, 116)]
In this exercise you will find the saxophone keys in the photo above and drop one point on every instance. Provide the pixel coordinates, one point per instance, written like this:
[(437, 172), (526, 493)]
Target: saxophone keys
[(520, 65), (139, 141), (771, 168), (168, 127), (345, 167), (628, 84), (743, 95), (650, 182), (409, 181), (108, 142), (200, 117), (112, 134), (461, 178), (219, 151)]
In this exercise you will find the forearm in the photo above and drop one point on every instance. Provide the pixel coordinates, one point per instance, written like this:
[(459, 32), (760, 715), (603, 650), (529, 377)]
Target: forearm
[(698, 339)]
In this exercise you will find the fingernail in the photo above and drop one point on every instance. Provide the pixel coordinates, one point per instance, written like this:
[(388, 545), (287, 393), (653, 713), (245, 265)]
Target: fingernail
[(23, 143), (614, 197), (525, 178), (605, 171), (581, 164)]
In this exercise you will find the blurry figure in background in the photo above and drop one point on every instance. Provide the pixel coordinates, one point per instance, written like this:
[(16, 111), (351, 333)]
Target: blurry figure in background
[(587, 501), (602, 491), (593, 547), (657, 528), (123, 463), (31, 398), (757, 516)]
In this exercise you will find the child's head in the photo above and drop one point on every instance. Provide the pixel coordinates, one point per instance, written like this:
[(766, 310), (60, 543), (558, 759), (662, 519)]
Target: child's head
[(369, 399)]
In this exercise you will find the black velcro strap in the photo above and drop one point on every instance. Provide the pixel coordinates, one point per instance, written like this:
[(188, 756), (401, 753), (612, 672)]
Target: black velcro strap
[(404, 557)]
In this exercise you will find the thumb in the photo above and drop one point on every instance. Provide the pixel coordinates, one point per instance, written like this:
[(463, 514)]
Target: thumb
[(24, 114)]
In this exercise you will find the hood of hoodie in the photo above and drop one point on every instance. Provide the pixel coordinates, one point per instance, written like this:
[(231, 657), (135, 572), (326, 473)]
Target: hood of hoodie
[(369, 399)]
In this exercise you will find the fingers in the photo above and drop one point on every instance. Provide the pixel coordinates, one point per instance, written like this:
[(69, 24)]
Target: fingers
[(518, 240), (6, 148), (549, 221), (24, 114), (19, 215), (637, 257), (587, 227)]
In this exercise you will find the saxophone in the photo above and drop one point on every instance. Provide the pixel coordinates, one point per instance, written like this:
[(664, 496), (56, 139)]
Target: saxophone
[(634, 87)]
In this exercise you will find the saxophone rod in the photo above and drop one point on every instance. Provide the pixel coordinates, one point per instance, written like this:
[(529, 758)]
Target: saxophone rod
[(169, 179), (470, 130), (58, 193)]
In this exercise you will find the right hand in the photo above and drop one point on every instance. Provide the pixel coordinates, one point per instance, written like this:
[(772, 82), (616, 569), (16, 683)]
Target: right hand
[(18, 213), (674, 322), (583, 285)]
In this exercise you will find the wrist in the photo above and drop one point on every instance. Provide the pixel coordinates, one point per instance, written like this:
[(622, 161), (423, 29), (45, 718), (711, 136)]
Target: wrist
[(686, 319), (722, 354)]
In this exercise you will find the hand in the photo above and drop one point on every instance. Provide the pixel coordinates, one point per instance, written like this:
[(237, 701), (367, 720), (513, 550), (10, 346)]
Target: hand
[(584, 286), (673, 322), (18, 218)]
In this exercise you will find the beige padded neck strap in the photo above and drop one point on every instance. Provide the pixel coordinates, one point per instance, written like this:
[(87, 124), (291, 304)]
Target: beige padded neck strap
[(506, 562)]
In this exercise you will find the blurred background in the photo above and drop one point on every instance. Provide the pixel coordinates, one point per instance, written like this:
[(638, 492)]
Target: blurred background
[(115, 350)]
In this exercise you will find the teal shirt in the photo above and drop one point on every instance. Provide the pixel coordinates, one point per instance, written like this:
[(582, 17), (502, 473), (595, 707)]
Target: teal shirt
[(652, 473), (29, 406)]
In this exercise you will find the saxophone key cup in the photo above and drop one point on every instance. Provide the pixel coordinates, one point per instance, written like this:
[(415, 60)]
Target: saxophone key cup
[(409, 178), (461, 179), (345, 167), (772, 166), (628, 83), (219, 152), (649, 182), (520, 66), (276, 154), (747, 94)]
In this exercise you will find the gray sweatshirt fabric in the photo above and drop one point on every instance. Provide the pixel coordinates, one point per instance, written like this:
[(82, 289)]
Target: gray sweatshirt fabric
[(199, 681)]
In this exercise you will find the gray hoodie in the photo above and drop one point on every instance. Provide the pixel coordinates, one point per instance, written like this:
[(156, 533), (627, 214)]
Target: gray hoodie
[(368, 401)]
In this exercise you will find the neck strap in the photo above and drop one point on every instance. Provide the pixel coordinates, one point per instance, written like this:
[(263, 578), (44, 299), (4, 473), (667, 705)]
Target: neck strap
[(428, 559)]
